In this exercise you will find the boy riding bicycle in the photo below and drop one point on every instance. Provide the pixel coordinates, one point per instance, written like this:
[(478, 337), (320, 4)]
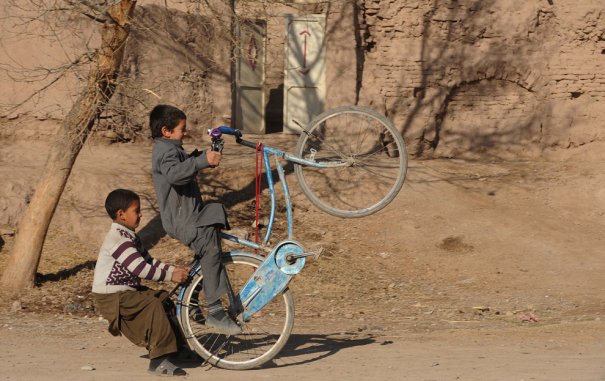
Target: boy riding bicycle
[(184, 215)]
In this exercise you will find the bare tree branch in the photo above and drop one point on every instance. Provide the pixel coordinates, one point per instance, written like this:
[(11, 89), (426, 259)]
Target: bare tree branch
[(62, 71)]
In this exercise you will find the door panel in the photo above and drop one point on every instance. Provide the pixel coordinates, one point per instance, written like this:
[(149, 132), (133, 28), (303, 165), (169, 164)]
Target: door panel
[(250, 80), (304, 77)]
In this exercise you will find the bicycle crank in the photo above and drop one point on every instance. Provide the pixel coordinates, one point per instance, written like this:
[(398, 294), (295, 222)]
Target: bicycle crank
[(292, 257)]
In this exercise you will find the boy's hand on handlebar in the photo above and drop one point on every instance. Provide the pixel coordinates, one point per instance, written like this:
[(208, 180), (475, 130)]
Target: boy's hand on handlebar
[(213, 157), (179, 275)]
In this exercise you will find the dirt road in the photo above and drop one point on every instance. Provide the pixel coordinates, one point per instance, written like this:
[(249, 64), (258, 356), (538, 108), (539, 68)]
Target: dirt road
[(45, 347)]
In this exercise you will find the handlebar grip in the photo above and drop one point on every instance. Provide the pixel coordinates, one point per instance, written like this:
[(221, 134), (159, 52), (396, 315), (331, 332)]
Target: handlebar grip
[(230, 131), (245, 143)]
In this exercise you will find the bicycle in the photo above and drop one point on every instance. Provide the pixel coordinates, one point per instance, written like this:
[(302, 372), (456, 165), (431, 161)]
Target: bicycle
[(339, 143)]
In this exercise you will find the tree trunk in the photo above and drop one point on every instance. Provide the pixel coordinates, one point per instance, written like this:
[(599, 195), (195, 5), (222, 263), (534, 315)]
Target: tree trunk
[(25, 257)]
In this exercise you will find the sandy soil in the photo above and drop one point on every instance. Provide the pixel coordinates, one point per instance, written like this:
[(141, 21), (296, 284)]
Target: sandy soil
[(479, 270), (57, 348)]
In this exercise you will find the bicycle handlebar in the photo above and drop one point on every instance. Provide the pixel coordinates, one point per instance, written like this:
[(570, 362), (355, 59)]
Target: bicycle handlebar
[(229, 131), (218, 131)]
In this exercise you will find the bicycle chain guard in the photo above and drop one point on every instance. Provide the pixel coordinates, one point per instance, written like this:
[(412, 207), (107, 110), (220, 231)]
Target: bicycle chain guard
[(271, 278)]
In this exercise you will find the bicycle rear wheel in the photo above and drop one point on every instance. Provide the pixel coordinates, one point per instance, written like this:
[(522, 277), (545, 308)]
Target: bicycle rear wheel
[(363, 159), (262, 337)]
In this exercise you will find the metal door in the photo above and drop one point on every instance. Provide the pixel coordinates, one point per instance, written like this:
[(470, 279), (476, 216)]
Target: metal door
[(304, 77), (250, 79)]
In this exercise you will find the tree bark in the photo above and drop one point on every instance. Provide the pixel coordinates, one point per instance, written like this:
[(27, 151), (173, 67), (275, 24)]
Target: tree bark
[(25, 257)]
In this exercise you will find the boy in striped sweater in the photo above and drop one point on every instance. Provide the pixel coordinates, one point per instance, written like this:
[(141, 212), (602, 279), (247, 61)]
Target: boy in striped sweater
[(133, 310)]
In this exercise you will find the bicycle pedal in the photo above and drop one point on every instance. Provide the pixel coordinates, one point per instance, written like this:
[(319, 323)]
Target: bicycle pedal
[(317, 252), (291, 258)]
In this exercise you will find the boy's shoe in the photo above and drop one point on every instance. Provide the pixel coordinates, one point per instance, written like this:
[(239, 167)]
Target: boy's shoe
[(222, 323), (164, 367)]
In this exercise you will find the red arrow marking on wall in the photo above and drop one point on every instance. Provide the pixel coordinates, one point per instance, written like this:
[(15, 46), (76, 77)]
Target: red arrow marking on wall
[(252, 52), (304, 69)]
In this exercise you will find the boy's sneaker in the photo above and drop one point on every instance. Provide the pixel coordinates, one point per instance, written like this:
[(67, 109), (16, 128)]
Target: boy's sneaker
[(222, 323), (164, 367)]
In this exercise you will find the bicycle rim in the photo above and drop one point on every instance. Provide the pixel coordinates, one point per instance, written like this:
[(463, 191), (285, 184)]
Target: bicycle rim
[(375, 157), (262, 337)]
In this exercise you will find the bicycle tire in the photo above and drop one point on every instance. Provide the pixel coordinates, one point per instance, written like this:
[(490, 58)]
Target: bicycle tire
[(374, 150), (257, 343)]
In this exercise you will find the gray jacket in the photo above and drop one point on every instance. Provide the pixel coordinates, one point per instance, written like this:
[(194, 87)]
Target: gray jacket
[(181, 207)]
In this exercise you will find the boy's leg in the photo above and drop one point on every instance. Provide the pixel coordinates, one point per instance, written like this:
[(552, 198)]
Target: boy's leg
[(207, 245), (170, 309), (143, 321), (108, 305)]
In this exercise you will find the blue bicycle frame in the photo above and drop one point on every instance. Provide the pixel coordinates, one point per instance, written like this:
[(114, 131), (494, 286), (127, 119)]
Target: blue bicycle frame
[(278, 154), (284, 260)]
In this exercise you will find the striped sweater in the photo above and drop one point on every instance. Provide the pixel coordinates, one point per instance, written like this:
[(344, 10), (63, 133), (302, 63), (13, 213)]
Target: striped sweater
[(123, 262)]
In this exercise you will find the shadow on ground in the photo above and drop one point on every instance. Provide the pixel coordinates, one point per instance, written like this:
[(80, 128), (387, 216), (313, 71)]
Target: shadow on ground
[(64, 274), (304, 349)]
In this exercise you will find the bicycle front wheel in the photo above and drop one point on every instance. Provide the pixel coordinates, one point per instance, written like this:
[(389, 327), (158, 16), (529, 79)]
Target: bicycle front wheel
[(262, 337), (361, 161)]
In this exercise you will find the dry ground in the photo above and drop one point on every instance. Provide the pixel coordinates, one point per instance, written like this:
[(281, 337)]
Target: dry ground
[(479, 270)]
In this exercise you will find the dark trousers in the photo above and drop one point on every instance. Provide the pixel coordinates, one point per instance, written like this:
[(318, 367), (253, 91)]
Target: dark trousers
[(207, 247), (141, 317)]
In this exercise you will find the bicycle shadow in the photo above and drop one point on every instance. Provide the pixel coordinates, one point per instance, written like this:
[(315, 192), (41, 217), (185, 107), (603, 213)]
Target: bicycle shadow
[(307, 348), (301, 349)]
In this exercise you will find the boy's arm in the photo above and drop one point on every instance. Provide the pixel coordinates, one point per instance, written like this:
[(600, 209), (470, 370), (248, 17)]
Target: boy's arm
[(151, 260), (127, 255), (179, 274), (180, 172)]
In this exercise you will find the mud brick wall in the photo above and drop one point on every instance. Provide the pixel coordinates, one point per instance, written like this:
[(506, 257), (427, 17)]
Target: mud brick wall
[(524, 71), (572, 76)]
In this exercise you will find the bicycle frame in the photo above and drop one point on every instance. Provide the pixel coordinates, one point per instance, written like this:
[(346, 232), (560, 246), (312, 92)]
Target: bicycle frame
[(277, 154), (256, 293)]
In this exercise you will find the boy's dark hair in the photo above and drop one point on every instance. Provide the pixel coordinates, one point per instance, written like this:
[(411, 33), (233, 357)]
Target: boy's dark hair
[(119, 199), (164, 116)]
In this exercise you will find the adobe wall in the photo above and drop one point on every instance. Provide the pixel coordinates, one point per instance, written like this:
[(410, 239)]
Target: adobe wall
[(460, 76)]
